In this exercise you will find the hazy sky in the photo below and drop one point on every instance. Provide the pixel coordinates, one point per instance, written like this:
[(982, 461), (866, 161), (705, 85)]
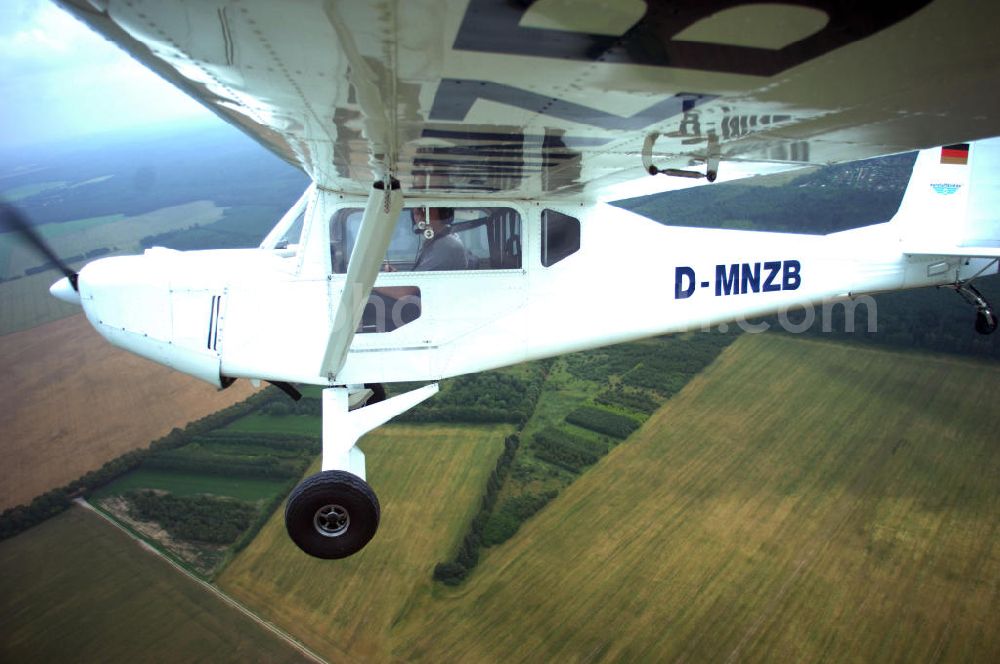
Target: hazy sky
[(59, 80)]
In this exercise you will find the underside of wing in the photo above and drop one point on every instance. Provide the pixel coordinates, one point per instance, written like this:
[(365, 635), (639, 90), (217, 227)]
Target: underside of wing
[(570, 98)]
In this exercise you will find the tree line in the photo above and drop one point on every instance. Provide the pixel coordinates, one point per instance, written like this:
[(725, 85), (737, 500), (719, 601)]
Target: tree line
[(481, 398), (629, 399), (454, 571), (202, 518), (566, 450), (18, 519), (602, 421)]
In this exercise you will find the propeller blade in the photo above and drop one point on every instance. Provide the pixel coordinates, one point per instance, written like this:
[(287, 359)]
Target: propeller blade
[(13, 219)]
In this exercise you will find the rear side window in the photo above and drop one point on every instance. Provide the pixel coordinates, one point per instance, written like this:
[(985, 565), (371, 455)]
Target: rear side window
[(560, 236)]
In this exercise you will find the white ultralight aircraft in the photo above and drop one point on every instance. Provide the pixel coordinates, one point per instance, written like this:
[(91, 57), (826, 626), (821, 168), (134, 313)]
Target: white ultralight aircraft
[(462, 151)]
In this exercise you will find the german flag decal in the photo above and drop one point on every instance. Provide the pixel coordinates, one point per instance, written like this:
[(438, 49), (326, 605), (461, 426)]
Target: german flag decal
[(955, 154)]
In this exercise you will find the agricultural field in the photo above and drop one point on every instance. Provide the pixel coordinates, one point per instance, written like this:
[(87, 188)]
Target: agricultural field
[(77, 589), (193, 484), (591, 401), (72, 402), (799, 500), (204, 493), (304, 425), (429, 480)]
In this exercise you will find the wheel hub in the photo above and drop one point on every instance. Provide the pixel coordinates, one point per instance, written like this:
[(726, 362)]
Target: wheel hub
[(331, 520)]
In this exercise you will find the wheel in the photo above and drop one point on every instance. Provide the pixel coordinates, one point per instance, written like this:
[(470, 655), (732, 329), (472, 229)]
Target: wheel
[(332, 514), (986, 322)]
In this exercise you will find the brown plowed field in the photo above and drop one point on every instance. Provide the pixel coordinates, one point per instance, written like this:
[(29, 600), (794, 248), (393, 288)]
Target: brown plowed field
[(69, 402)]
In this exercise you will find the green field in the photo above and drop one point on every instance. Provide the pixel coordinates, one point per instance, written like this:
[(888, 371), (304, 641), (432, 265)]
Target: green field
[(798, 501), (77, 589), (190, 484), (24, 191), (429, 480), (289, 424)]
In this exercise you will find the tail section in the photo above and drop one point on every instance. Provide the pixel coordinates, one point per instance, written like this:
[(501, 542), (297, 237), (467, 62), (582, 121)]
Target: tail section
[(951, 206)]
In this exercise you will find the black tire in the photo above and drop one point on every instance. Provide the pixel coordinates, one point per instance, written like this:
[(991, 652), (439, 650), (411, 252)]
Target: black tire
[(332, 514), (986, 323)]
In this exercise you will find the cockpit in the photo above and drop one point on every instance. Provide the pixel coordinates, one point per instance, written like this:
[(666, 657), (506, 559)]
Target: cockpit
[(436, 238), (440, 259)]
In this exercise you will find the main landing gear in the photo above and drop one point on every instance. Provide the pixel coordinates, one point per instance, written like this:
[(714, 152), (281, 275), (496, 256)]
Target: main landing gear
[(335, 513), (332, 514), (986, 317)]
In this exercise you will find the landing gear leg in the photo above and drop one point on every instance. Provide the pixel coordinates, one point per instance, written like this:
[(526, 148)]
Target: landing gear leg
[(986, 317), (335, 513)]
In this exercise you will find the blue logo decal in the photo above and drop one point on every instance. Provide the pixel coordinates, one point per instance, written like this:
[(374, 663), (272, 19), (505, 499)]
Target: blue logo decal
[(945, 189)]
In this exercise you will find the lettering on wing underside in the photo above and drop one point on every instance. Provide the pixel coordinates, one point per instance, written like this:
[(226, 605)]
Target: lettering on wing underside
[(491, 158)]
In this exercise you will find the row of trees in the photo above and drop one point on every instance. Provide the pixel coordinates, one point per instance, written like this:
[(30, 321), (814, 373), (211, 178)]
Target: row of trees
[(286, 443), (506, 519), (602, 421), (263, 514), (78, 258), (638, 401), (454, 571), (573, 453), (598, 365), (261, 467), (675, 360), (305, 406), (194, 518), (18, 519), (481, 398)]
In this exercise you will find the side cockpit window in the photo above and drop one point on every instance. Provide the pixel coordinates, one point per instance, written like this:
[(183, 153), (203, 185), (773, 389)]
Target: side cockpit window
[(437, 238), (560, 236)]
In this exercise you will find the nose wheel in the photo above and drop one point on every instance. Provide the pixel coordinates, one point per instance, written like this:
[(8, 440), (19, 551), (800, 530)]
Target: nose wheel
[(332, 514)]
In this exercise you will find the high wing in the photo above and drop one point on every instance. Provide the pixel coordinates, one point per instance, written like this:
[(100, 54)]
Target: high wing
[(566, 98)]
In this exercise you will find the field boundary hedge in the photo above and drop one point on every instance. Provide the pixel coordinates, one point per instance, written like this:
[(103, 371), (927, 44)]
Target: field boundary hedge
[(17, 519)]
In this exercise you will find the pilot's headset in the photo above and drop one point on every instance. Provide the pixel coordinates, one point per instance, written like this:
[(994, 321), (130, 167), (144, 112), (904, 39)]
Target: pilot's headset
[(423, 226)]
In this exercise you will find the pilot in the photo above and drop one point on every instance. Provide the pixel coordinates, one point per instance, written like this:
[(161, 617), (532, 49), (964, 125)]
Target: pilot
[(442, 249)]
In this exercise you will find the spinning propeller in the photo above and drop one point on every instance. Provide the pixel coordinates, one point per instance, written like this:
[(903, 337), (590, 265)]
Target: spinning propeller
[(13, 219)]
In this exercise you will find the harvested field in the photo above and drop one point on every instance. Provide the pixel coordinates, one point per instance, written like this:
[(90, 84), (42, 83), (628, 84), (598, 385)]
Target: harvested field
[(797, 501), (72, 402), (77, 589), (429, 480)]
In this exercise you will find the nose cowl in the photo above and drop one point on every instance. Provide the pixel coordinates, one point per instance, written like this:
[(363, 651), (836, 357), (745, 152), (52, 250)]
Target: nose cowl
[(64, 291)]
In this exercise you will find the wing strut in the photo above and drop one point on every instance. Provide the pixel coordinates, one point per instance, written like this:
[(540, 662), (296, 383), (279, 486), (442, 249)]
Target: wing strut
[(384, 204)]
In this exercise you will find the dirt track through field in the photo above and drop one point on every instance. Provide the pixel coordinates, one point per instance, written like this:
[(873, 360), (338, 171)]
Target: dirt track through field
[(284, 636), (71, 402)]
